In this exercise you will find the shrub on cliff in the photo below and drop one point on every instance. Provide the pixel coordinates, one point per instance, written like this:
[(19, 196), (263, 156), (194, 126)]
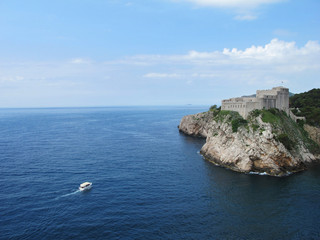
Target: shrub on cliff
[(215, 110), (213, 107), (236, 123), (234, 117), (285, 140)]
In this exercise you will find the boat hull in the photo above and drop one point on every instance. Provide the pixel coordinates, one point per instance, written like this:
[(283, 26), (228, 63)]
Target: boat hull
[(85, 188)]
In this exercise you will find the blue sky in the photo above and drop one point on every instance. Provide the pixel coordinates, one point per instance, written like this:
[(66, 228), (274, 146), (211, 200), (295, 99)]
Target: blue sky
[(155, 52)]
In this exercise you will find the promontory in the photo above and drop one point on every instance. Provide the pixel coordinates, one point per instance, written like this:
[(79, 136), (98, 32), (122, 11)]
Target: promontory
[(258, 134)]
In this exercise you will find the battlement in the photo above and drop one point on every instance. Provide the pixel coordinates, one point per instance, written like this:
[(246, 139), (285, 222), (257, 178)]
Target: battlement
[(273, 92)]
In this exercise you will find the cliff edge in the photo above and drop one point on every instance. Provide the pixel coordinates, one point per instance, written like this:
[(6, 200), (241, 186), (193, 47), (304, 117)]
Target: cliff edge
[(268, 142)]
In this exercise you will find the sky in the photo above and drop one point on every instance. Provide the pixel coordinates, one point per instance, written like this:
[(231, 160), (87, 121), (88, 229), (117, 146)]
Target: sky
[(67, 53)]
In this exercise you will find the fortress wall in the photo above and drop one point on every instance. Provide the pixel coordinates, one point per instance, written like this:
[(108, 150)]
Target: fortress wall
[(275, 98), (241, 105), (233, 105), (250, 106), (296, 118)]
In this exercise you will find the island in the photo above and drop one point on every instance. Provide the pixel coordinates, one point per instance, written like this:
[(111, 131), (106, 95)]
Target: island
[(257, 134)]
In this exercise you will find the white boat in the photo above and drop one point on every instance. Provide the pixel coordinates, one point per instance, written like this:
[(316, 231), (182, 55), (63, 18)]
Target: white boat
[(85, 186)]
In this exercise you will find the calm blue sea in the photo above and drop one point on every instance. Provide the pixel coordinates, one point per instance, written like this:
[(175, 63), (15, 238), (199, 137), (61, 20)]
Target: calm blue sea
[(149, 181)]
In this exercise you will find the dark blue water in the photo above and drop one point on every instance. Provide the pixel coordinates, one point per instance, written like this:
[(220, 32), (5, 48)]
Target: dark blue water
[(149, 181)]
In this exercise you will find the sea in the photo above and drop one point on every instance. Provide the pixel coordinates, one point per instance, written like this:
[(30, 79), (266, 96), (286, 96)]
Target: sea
[(149, 181)]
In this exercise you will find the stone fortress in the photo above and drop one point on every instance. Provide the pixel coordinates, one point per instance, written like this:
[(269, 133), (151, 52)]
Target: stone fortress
[(277, 97)]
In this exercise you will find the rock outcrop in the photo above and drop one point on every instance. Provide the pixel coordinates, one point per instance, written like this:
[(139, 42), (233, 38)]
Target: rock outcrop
[(197, 125), (251, 147), (314, 133)]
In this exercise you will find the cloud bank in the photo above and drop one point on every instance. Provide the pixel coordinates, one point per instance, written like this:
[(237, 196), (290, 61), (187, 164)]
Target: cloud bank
[(272, 54), (194, 77), (275, 63)]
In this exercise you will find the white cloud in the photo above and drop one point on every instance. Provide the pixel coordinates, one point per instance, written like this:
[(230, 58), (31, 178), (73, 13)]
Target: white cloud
[(80, 61), (271, 54), (276, 58), (275, 50), (10, 79), (204, 75), (270, 64), (161, 75), (247, 17)]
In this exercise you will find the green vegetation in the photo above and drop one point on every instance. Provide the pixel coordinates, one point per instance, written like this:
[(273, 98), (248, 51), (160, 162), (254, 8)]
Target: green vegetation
[(308, 104), (285, 130), (285, 140), (269, 116), (233, 117), (255, 127), (213, 107), (255, 113), (300, 123), (237, 123), (215, 110)]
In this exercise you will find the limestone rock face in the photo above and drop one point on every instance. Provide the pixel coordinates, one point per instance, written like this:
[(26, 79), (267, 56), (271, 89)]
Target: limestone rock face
[(246, 150), (196, 125), (314, 133)]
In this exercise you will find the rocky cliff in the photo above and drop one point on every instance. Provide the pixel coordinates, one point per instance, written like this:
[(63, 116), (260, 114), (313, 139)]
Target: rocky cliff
[(314, 133), (267, 142)]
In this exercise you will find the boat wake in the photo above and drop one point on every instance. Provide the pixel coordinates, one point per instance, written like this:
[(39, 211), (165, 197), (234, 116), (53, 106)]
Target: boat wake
[(68, 194)]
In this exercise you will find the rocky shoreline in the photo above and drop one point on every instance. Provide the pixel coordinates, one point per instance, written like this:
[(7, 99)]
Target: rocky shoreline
[(253, 147)]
